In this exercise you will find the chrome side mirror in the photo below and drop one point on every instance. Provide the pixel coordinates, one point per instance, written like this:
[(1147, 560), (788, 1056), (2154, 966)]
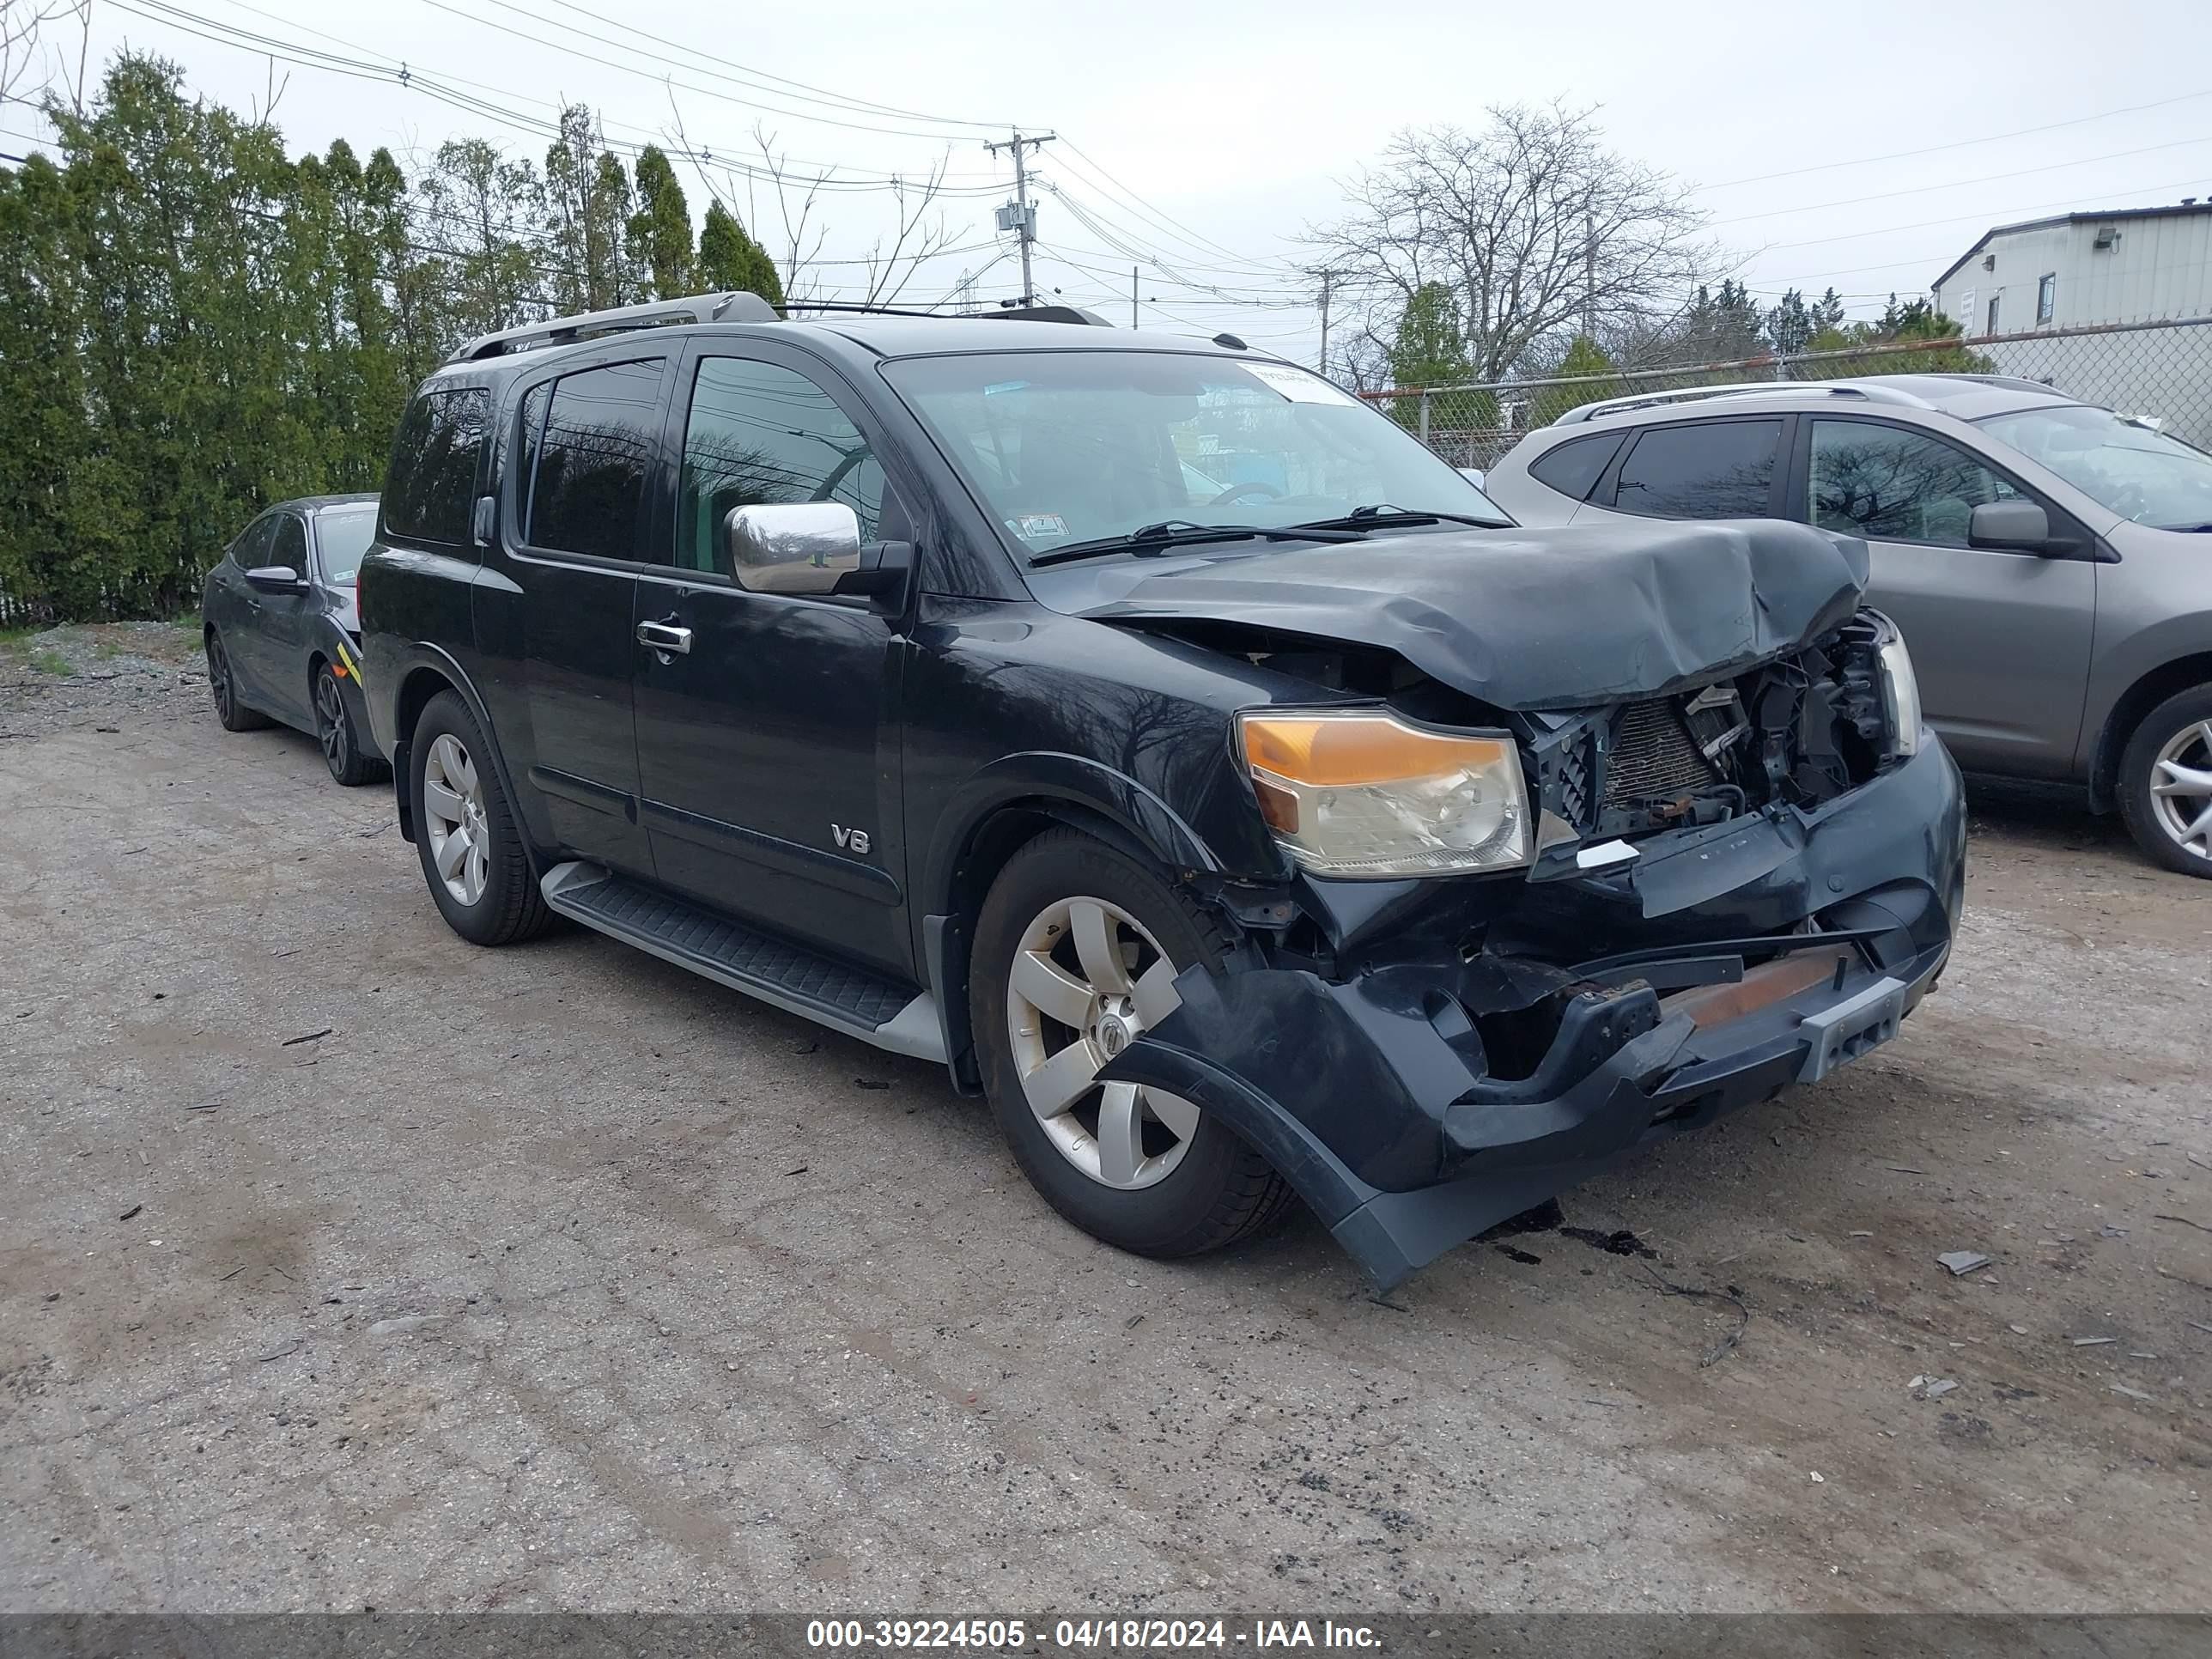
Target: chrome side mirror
[(795, 547)]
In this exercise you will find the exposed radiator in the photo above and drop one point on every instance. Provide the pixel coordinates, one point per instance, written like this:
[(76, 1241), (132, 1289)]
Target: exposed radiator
[(1653, 757)]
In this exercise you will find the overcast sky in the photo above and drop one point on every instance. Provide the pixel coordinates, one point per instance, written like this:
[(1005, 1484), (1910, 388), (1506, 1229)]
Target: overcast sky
[(1198, 141)]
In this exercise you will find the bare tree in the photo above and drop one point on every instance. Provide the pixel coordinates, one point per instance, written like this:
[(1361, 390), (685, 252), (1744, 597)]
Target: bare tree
[(1537, 228), (801, 195), (22, 24)]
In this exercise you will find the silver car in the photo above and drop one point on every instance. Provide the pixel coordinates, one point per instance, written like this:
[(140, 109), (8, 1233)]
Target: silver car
[(2049, 561)]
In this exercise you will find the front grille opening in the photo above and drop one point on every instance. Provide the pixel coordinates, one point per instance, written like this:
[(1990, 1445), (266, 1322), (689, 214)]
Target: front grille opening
[(1653, 758)]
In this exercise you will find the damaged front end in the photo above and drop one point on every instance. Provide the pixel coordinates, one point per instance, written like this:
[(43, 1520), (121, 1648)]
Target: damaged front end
[(1736, 885)]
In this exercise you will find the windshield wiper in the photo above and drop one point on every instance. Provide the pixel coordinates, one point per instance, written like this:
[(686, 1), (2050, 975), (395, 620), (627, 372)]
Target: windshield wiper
[(1381, 516), (2189, 529), (1153, 539)]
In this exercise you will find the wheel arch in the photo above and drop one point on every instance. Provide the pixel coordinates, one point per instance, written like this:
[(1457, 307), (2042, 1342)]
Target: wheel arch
[(2128, 709), (1005, 807), (428, 673)]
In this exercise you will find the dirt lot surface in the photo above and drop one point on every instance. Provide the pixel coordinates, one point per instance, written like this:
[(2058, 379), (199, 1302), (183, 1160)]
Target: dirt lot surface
[(345, 1265)]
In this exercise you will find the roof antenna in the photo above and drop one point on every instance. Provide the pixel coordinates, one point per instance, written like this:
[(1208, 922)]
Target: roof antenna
[(1230, 341)]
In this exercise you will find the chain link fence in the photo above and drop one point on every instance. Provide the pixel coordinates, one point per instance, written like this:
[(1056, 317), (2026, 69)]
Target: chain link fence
[(2161, 370)]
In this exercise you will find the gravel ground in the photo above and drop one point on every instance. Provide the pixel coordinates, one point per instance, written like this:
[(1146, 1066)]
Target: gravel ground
[(346, 1266)]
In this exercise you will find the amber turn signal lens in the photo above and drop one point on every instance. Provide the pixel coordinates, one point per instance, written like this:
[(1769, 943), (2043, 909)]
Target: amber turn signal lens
[(1350, 748)]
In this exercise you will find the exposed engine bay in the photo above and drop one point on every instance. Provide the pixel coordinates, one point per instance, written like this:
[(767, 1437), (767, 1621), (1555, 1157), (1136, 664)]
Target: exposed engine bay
[(1800, 730)]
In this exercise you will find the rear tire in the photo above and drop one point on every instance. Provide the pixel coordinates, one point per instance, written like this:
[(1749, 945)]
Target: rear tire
[(471, 849), (2166, 783), (223, 685), (334, 731), (1182, 1182)]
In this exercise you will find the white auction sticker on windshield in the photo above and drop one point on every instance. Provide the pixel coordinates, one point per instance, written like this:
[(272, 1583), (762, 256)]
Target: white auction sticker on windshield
[(1296, 384)]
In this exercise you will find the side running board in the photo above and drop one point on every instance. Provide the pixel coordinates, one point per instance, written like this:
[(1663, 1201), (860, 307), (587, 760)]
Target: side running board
[(850, 999)]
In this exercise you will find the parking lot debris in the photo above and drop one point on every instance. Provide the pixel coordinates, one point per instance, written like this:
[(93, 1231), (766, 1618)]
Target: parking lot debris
[(2017, 1330), (205, 1106), (2093, 1342), (1133, 1322), (1727, 1344), (312, 1037), (1962, 1262), (2132, 1394), (1932, 1388), (2198, 1325), (406, 1324), (2185, 1221), (801, 1169), (293, 1347), (871, 1083), (130, 1212), (2108, 1231)]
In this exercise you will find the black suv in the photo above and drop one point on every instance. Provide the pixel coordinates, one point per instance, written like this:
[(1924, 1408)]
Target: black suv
[(1166, 741)]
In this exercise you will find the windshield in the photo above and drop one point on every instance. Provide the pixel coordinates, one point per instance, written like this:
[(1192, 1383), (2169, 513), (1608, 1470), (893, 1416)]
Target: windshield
[(341, 538), (1066, 447), (2139, 474)]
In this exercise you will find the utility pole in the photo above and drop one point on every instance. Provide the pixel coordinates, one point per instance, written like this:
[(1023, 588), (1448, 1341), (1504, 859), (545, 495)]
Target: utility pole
[(1018, 214), (1590, 276), (1327, 277), (1132, 296)]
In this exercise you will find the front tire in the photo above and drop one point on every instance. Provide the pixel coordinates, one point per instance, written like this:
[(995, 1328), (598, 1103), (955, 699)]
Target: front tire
[(2166, 783), (334, 731), (222, 685), (470, 845), (1076, 951)]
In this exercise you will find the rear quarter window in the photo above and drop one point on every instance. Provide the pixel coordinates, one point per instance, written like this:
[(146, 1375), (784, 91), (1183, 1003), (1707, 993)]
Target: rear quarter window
[(430, 488), (1573, 468)]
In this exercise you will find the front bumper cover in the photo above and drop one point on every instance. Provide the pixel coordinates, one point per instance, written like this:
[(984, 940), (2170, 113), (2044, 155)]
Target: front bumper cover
[(1372, 1098)]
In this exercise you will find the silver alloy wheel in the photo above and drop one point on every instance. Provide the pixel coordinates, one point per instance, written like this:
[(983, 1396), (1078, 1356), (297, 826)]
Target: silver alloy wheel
[(454, 819), (1086, 979), (2181, 788)]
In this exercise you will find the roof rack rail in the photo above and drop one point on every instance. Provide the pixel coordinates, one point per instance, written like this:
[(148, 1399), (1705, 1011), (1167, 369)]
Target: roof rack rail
[(2010, 382), (1880, 394), (736, 306), (1019, 313)]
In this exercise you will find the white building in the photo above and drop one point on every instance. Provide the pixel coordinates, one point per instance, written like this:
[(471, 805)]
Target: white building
[(2090, 271)]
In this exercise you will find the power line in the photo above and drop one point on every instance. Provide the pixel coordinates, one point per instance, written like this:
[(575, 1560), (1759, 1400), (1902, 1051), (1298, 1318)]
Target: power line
[(665, 81), (693, 52), (1959, 143), (1956, 183), (290, 51), (652, 135), (1980, 216)]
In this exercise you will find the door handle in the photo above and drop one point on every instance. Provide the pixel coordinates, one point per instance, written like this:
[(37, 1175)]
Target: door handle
[(665, 637)]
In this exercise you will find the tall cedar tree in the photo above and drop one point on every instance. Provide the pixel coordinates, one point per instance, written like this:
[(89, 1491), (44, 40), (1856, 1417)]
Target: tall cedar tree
[(729, 259), (661, 229)]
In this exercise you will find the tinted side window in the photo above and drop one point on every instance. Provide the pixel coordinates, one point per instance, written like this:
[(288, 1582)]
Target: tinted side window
[(290, 547), (430, 488), (1714, 470), (250, 550), (758, 434), (1572, 467), (1889, 485), (591, 465)]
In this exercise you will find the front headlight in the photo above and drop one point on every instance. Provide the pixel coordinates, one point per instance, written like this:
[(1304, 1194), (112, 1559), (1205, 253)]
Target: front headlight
[(1900, 700), (1363, 794)]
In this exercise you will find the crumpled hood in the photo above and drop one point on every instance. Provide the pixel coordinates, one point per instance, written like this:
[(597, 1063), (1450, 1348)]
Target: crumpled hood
[(1520, 618)]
